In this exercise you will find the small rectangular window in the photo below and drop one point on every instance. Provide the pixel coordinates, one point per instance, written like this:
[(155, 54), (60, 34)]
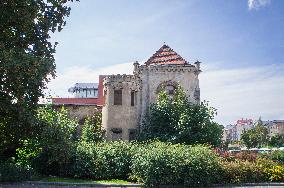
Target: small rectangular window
[(116, 134), (132, 98), (132, 134), (117, 97)]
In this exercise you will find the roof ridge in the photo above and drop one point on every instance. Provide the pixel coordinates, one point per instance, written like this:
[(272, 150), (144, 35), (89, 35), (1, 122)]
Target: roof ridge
[(166, 55)]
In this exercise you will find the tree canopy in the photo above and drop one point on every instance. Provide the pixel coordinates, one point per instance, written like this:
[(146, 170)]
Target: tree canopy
[(180, 121), (256, 137), (26, 62)]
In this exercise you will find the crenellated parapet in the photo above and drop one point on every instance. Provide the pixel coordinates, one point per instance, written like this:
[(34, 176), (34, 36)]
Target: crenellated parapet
[(121, 81), (140, 69)]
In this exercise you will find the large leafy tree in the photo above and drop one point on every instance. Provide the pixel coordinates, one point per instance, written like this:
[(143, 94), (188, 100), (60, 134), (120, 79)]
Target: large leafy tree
[(179, 121), (256, 137), (26, 63)]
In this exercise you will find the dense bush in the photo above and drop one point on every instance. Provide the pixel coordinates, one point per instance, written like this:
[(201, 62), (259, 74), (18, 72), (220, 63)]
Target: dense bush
[(10, 172), (275, 173), (55, 142), (277, 156), (243, 156), (164, 163), (242, 172), (92, 129), (104, 160)]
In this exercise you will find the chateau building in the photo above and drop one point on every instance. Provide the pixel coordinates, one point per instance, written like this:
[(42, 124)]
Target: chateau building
[(125, 99)]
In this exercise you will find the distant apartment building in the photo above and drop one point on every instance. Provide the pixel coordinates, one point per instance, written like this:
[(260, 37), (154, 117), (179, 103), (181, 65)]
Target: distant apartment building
[(234, 132), (274, 127)]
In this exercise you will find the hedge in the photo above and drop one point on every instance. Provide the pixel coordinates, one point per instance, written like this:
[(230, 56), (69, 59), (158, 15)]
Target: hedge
[(164, 163), (158, 163)]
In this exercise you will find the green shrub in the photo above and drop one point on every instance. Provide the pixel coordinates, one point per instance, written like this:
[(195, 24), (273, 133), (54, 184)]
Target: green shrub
[(92, 129), (116, 158), (106, 160), (56, 141), (27, 152), (84, 165), (10, 172), (277, 156), (164, 163)]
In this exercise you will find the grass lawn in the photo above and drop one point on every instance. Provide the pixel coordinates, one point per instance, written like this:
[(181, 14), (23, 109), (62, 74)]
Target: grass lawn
[(70, 180)]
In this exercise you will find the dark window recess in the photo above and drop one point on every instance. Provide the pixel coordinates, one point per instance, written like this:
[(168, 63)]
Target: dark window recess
[(132, 98), (116, 134), (117, 97), (116, 130), (171, 92), (132, 134)]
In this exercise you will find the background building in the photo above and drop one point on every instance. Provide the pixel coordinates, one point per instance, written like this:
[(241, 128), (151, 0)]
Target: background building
[(234, 132)]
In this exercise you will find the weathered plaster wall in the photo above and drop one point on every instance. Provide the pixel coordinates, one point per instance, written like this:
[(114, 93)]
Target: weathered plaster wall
[(122, 116), (145, 80), (152, 76), (79, 112)]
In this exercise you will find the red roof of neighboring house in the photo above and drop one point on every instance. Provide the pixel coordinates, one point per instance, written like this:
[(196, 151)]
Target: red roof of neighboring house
[(84, 101), (79, 101), (166, 55)]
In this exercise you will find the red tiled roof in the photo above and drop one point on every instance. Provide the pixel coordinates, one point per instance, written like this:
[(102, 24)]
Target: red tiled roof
[(165, 55)]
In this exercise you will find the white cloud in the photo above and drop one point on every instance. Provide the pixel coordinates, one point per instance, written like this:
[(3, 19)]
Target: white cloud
[(245, 92), (256, 4), (236, 93)]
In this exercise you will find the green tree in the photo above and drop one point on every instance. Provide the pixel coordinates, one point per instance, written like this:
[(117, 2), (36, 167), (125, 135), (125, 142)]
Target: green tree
[(56, 141), (276, 141), (256, 137), (26, 63), (180, 121), (92, 129)]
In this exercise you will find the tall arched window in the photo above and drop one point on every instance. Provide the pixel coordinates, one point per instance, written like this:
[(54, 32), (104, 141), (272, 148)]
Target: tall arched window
[(168, 86)]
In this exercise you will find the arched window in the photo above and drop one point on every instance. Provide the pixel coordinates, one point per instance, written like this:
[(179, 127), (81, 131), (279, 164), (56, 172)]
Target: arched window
[(169, 87)]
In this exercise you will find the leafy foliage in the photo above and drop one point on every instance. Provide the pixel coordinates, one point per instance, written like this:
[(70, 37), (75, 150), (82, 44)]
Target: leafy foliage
[(92, 129), (106, 160), (179, 121), (10, 172), (164, 163), (26, 60), (255, 137), (276, 141), (277, 156), (276, 173), (242, 172), (56, 141)]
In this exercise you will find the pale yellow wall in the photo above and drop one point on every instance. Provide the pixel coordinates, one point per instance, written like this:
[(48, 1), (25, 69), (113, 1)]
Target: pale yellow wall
[(122, 116)]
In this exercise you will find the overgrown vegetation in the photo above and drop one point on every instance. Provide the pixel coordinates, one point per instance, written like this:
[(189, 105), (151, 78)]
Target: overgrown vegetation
[(179, 121), (26, 64), (59, 152), (39, 140)]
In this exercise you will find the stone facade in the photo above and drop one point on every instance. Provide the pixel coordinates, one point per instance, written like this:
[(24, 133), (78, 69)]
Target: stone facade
[(164, 70), (79, 112)]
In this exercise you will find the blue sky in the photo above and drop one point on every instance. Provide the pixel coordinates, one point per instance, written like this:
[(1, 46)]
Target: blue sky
[(240, 43)]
